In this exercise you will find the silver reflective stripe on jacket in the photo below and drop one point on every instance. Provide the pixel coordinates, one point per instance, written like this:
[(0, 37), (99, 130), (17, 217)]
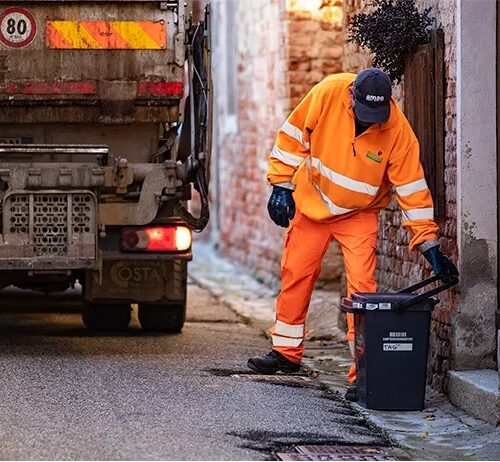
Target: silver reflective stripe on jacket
[(294, 132), (418, 214), (344, 181), (287, 158), (411, 188)]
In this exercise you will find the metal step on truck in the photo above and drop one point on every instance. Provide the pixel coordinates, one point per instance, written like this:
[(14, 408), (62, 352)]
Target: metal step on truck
[(104, 132)]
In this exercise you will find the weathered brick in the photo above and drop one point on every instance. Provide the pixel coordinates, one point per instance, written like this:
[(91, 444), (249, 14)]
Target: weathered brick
[(331, 52), (278, 63)]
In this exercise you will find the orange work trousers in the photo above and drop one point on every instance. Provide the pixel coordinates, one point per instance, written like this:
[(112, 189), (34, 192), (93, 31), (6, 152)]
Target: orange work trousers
[(305, 244)]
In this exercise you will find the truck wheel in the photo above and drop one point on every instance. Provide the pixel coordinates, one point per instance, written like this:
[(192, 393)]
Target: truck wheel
[(103, 317), (162, 318)]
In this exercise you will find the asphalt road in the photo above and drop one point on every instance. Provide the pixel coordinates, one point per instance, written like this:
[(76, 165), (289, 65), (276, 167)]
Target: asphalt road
[(65, 394)]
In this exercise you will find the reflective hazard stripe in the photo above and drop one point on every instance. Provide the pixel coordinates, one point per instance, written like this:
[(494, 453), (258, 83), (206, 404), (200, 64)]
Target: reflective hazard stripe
[(106, 35), (426, 245), (289, 330), (410, 188), (286, 157), (332, 208), (286, 185), (286, 341), (418, 214), (352, 348), (344, 181), (295, 133)]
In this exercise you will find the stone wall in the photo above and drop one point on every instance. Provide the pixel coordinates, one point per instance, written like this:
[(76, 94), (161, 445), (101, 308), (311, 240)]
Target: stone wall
[(397, 267), (281, 55)]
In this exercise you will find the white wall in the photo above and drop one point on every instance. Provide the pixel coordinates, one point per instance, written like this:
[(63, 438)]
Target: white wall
[(474, 325)]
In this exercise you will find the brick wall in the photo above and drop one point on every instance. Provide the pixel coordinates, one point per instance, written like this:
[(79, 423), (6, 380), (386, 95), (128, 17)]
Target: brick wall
[(245, 234), (397, 267), (281, 55), (315, 49)]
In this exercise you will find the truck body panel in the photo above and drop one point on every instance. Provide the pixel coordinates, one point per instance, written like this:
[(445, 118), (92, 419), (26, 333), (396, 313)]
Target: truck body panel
[(100, 83)]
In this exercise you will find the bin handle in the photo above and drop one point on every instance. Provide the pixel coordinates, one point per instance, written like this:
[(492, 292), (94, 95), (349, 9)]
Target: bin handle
[(448, 281), (419, 285)]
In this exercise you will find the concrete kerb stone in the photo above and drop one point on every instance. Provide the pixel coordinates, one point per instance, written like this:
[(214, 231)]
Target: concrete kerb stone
[(441, 431)]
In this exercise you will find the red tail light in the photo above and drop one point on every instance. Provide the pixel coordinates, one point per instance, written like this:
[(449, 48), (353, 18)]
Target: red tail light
[(156, 239)]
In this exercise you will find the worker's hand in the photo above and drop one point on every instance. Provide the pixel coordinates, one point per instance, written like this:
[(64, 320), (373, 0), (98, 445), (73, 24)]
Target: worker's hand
[(441, 264), (281, 206)]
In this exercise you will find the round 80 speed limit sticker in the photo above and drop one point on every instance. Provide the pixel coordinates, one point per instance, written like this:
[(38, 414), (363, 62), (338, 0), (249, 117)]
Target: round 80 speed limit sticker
[(17, 27)]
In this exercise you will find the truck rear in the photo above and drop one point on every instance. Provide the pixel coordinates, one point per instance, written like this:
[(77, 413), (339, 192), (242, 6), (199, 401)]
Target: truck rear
[(104, 128)]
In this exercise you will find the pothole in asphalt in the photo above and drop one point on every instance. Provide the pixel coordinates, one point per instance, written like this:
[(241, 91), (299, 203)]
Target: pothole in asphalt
[(228, 372), (299, 380), (247, 372), (294, 381), (213, 321)]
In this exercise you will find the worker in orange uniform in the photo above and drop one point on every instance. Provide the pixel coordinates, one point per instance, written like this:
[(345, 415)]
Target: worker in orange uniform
[(332, 168)]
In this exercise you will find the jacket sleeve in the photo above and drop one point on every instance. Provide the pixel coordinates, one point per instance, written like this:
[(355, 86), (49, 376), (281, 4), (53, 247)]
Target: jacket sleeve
[(293, 141), (412, 193)]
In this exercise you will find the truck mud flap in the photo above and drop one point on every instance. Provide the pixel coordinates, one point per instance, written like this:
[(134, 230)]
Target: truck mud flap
[(134, 281)]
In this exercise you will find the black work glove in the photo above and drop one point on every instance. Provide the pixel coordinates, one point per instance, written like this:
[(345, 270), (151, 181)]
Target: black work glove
[(441, 264), (281, 206)]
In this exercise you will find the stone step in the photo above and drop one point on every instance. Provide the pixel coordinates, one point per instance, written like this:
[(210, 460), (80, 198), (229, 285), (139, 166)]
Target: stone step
[(477, 393)]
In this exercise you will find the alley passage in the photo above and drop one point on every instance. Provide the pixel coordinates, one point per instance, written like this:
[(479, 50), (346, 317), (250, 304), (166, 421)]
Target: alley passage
[(70, 395)]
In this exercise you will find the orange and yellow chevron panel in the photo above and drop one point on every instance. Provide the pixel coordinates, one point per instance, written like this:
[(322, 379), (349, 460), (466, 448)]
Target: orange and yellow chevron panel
[(106, 35)]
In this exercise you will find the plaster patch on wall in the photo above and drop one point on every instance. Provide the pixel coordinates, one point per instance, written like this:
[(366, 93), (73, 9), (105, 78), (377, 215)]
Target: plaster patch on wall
[(474, 324), (477, 261)]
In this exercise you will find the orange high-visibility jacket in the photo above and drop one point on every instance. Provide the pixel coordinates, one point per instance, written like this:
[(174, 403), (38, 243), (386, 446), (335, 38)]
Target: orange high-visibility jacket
[(335, 173)]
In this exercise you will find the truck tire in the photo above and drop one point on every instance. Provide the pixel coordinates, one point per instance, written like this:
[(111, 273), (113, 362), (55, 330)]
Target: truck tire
[(162, 318), (105, 317)]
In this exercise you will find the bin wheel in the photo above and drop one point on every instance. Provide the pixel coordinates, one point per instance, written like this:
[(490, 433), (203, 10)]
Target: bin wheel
[(162, 318), (104, 317)]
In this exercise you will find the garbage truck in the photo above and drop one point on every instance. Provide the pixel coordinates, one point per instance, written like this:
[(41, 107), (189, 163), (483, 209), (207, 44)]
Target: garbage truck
[(104, 141)]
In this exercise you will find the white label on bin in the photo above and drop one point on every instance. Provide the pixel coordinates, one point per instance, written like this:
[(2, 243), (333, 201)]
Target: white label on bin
[(398, 346), (397, 334)]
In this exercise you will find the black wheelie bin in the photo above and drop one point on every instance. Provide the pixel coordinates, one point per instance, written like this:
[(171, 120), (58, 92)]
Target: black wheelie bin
[(392, 343)]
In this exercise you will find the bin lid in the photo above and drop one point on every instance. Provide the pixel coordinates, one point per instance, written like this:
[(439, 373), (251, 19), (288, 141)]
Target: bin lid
[(384, 301)]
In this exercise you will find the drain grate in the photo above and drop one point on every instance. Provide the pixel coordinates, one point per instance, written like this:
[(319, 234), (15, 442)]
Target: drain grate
[(323, 452), (297, 456)]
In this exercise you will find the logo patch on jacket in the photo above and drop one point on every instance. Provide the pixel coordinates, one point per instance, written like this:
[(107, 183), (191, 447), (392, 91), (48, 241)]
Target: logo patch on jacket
[(375, 157)]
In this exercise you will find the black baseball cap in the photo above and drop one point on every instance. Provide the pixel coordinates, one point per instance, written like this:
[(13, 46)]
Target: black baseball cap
[(372, 95)]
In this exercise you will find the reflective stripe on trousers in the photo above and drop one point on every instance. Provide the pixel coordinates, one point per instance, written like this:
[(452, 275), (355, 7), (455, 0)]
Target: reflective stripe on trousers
[(305, 244)]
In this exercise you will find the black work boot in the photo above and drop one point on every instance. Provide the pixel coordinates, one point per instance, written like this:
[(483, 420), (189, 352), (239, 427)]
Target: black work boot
[(352, 392), (272, 363)]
